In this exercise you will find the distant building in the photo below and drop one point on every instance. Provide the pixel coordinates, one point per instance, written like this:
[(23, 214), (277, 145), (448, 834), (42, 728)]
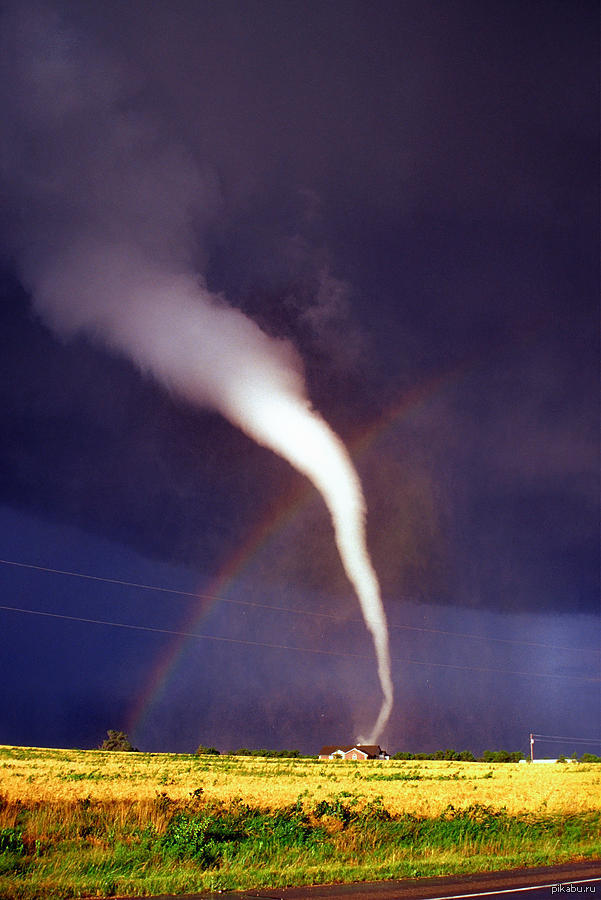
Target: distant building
[(535, 761), (353, 751)]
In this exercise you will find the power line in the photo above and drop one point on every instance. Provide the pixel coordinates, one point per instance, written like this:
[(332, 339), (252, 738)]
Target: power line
[(211, 637), (134, 584), (485, 637), (301, 612), (556, 738), (190, 634)]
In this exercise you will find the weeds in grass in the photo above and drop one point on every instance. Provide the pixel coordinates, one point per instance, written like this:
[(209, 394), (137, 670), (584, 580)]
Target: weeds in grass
[(424, 788), (95, 823), (103, 848)]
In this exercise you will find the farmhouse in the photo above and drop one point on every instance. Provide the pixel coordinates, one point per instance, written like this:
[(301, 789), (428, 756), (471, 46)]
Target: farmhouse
[(353, 751)]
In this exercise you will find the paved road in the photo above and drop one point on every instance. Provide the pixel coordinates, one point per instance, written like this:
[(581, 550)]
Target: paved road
[(523, 884)]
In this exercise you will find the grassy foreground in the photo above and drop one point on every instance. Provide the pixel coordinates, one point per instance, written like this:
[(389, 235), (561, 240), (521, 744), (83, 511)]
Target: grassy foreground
[(81, 825)]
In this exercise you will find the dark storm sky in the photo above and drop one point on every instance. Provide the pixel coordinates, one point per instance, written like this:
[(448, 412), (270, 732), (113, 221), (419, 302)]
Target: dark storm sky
[(409, 193)]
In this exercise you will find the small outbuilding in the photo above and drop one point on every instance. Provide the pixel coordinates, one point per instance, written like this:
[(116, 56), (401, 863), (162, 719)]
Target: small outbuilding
[(353, 751)]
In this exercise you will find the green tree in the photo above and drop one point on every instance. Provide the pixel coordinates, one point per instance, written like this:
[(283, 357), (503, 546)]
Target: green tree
[(501, 756), (117, 740), (201, 750), (467, 756), (451, 754)]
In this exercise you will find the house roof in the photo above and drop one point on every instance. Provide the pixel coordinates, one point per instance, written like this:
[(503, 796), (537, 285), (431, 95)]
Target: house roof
[(369, 749)]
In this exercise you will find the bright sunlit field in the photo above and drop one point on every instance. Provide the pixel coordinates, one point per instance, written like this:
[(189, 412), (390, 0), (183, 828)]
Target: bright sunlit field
[(425, 788), (103, 823)]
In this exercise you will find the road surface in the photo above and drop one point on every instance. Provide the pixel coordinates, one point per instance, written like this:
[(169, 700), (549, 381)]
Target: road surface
[(569, 880)]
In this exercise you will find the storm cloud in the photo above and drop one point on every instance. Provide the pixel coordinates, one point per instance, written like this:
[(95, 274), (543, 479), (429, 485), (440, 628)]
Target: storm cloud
[(401, 196)]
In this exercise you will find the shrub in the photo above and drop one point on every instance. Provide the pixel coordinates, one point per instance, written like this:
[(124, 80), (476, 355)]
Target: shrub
[(286, 828), (12, 850), (186, 837), (375, 811), (198, 837), (11, 841), (341, 806)]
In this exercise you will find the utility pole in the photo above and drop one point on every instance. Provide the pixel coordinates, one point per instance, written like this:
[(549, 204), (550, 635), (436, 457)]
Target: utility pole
[(531, 748)]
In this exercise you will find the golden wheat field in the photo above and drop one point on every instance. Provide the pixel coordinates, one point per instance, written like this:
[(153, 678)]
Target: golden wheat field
[(418, 787)]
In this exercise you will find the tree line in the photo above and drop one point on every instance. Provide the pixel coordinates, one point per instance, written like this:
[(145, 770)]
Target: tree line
[(118, 740)]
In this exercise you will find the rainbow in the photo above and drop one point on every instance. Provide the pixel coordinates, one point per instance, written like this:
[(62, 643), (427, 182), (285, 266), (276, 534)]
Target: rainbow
[(260, 535)]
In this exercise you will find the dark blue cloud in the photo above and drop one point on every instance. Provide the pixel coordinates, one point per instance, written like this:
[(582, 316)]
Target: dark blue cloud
[(407, 192)]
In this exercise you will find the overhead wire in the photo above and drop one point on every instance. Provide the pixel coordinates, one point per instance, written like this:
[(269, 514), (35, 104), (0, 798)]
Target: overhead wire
[(230, 640), (554, 738), (302, 612)]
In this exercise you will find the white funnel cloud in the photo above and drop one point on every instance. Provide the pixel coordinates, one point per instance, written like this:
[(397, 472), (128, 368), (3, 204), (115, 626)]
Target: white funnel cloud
[(106, 249)]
